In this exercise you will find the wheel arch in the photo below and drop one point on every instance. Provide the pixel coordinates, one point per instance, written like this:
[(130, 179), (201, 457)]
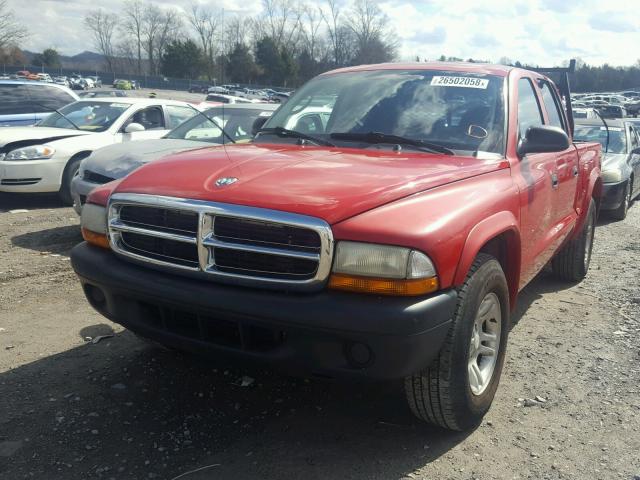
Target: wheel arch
[(76, 156), (498, 236)]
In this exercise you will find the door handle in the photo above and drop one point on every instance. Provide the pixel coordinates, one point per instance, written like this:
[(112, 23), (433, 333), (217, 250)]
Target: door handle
[(554, 180), (575, 171)]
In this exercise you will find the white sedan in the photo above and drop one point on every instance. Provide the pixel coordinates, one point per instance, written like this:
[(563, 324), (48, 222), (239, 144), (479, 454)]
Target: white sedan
[(46, 157)]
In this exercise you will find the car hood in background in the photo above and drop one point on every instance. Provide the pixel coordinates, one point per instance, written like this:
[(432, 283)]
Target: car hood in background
[(120, 159), (328, 183), (24, 136), (613, 160)]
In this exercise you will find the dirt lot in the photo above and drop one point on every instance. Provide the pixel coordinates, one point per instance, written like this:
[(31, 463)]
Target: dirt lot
[(73, 409)]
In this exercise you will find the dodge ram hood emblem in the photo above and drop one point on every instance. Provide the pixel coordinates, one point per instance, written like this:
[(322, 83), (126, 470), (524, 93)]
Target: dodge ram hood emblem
[(224, 181)]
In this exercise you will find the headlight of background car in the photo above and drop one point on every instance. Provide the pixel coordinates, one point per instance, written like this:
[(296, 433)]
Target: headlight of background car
[(612, 176), (382, 269), (33, 152)]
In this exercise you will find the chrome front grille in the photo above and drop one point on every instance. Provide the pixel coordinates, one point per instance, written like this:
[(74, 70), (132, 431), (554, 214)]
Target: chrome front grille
[(230, 243)]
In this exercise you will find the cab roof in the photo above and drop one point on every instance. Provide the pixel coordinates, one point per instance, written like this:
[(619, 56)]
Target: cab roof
[(480, 68)]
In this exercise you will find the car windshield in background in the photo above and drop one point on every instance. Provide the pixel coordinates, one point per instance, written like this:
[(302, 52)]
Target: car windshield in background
[(460, 111), (237, 123), (86, 115), (595, 133)]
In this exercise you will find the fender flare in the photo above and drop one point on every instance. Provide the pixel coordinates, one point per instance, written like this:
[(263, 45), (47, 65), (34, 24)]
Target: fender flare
[(488, 229)]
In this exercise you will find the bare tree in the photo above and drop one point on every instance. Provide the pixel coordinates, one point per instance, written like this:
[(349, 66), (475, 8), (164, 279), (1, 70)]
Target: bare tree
[(102, 26), (281, 22), (310, 27), (333, 21), (170, 26), (236, 31), (11, 31), (206, 24), (370, 26), (134, 12)]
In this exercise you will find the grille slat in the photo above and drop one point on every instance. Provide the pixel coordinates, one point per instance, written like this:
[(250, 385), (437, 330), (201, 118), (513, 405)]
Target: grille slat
[(274, 248)]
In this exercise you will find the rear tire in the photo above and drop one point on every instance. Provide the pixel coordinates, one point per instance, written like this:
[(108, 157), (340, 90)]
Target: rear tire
[(572, 262), (448, 393)]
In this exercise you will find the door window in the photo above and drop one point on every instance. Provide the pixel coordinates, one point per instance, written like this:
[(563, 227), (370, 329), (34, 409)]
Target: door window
[(635, 141), (48, 98), (14, 99), (150, 118), (529, 114), (178, 114), (551, 105)]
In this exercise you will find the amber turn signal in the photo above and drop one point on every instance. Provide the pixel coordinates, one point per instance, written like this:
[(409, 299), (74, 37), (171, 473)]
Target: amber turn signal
[(98, 239), (383, 286)]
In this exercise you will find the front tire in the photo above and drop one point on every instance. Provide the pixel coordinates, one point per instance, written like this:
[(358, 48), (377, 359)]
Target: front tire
[(620, 213), (457, 389), (70, 171), (572, 262)]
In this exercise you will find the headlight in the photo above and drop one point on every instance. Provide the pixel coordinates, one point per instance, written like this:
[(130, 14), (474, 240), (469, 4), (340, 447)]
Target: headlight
[(93, 221), (382, 269), (612, 176), (33, 152)]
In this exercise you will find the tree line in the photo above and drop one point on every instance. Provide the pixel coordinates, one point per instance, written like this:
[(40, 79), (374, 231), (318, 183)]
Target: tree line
[(285, 44)]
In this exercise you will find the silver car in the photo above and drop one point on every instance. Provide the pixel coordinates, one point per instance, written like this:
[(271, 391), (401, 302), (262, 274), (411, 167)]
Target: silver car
[(116, 161)]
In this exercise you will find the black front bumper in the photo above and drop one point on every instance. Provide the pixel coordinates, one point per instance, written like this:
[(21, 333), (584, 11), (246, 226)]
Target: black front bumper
[(327, 333), (612, 195)]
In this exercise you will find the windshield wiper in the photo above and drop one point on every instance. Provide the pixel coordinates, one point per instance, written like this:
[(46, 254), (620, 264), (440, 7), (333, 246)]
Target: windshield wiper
[(216, 125), (379, 137), (59, 113), (285, 132)]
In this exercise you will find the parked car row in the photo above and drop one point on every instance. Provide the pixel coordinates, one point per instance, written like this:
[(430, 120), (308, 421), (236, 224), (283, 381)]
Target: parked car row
[(608, 105)]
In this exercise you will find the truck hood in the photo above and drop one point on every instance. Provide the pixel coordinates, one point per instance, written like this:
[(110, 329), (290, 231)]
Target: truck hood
[(25, 136), (328, 183), (120, 159)]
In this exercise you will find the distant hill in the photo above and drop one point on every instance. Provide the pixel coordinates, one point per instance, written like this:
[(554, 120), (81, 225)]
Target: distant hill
[(82, 61)]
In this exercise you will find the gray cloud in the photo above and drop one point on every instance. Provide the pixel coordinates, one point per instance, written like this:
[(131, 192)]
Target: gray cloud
[(437, 35), (482, 39), (611, 22)]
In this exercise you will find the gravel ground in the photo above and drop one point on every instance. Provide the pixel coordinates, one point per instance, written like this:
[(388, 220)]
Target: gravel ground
[(120, 409)]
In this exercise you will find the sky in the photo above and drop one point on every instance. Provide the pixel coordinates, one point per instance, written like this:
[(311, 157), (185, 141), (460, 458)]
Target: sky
[(543, 32)]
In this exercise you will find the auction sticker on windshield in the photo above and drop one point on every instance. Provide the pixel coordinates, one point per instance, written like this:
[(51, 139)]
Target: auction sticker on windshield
[(465, 82)]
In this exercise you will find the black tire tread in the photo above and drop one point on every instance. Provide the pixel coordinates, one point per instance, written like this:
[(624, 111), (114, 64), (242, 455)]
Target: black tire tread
[(429, 392), (568, 263)]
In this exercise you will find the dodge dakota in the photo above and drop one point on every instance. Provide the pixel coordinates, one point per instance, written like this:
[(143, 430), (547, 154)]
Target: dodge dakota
[(384, 235)]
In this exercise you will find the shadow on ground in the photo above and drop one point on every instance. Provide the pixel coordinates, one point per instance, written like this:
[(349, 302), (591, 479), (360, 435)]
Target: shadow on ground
[(120, 408), (139, 410), (29, 201), (58, 240)]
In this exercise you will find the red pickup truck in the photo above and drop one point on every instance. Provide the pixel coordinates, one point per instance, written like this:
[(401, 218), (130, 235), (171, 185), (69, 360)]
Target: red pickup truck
[(380, 225)]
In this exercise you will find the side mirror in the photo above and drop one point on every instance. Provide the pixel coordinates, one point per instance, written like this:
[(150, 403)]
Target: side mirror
[(258, 124), (134, 127), (543, 139)]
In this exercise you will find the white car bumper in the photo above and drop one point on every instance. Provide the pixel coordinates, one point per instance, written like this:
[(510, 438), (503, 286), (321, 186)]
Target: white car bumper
[(32, 175)]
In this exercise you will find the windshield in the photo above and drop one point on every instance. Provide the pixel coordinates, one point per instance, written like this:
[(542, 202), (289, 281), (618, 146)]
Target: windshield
[(86, 115), (237, 123), (461, 111), (595, 133)]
